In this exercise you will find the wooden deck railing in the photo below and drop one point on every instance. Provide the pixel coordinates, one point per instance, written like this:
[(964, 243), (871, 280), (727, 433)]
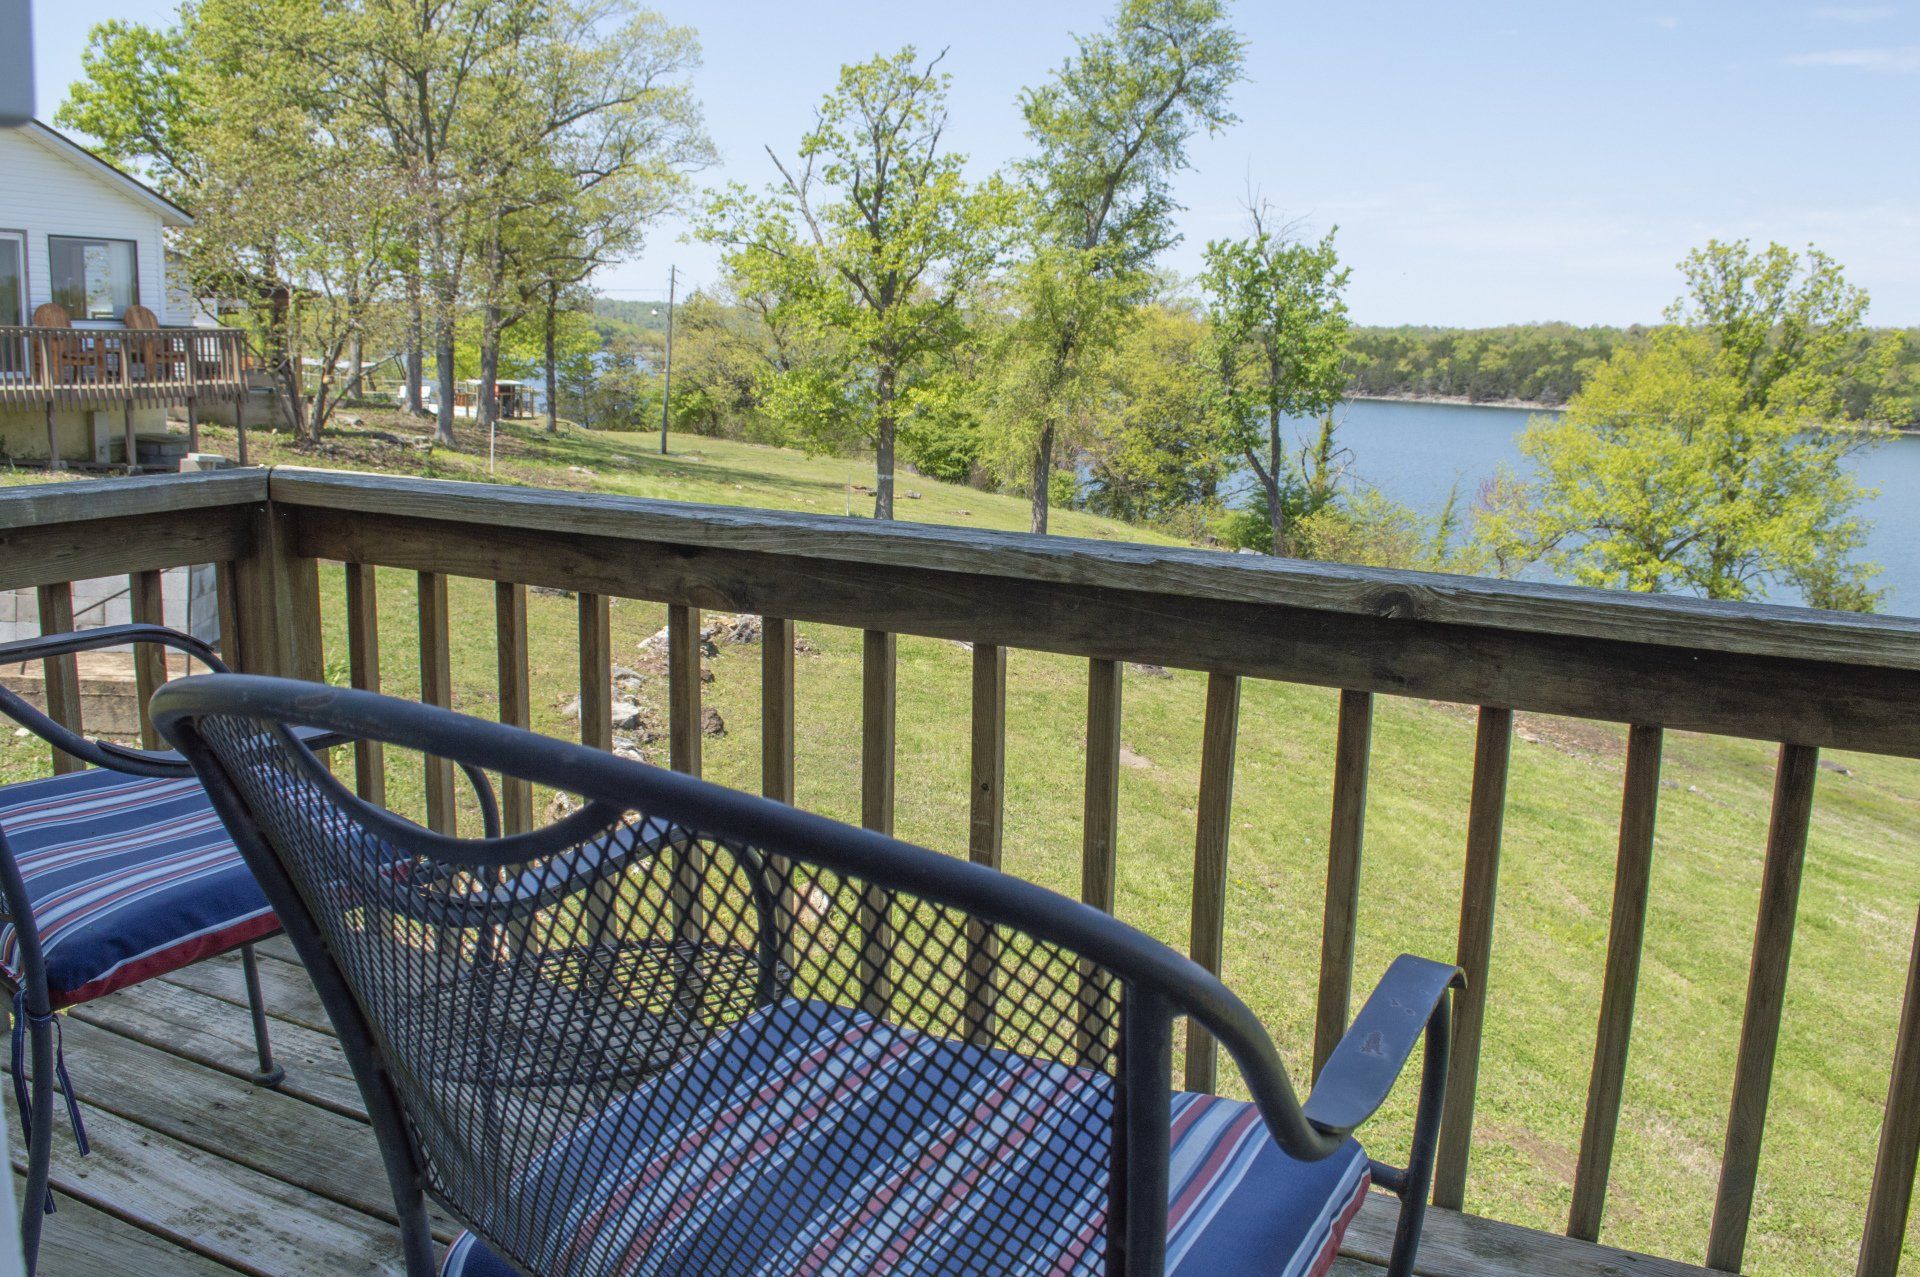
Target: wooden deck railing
[(1803, 680), (54, 368)]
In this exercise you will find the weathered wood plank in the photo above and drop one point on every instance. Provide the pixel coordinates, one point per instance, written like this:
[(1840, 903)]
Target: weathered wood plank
[(516, 695), (1794, 777), (146, 606), (1632, 879), (261, 1129), (1206, 931), (288, 992), (1456, 1245), (683, 750), (62, 673), (218, 1208), (226, 603), (1493, 747), (683, 689), (79, 1241), (986, 825), (1885, 1233), (1521, 606), (777, 755), (776, 709), (436, 688), (130, 525), (596, 671), (1101, 811), (1702, 688), (363, 671), (1346, 838), (278, 600), (188, 1024)]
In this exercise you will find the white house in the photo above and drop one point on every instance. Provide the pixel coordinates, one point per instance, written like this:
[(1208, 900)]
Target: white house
[(78, 232)]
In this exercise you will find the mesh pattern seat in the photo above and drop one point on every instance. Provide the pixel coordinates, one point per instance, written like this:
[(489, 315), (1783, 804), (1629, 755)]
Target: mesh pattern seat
[(683, 1031), (983, 1135)]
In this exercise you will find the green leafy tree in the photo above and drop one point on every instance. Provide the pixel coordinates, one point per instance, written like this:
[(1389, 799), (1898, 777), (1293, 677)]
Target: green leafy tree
[(868, 245), (1158, 455), (1110, 131), (1708, 459), (137, 99), (1280, 330)]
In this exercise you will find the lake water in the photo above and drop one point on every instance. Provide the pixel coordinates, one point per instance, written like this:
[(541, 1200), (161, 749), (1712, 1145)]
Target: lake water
[(1417, 453)]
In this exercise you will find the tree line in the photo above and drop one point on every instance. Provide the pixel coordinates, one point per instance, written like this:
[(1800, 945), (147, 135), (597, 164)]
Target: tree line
[(1547, 364)]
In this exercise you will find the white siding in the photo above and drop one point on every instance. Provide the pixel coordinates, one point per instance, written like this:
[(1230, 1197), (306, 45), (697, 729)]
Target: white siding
[(45, 194)]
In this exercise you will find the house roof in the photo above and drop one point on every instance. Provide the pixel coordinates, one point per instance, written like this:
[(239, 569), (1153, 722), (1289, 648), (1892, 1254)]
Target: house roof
[(58, 143)]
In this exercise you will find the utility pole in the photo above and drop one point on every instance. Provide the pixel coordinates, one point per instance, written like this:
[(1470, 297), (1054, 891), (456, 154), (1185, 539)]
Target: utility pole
[(666, 388)]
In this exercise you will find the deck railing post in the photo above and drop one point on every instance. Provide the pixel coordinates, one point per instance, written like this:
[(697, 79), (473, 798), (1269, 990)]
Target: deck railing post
[(516, 700), (61, 673), (146, 604), (1794, 777), (1206, 928), (986, 823), (878, 697), (1632, 878), (1340, 915), (1885, 1234), (1099, 849), (1492, 753), (436, 688), (363, 671)]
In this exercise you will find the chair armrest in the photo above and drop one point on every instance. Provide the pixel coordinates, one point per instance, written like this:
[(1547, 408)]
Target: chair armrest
[(47, 646), (1363, 1068)]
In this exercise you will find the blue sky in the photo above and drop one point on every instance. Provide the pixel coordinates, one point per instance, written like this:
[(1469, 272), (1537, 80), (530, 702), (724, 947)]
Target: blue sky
[(1485, 162)]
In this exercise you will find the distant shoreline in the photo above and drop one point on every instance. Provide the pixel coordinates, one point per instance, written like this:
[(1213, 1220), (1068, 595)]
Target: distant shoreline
[(1462, 401)]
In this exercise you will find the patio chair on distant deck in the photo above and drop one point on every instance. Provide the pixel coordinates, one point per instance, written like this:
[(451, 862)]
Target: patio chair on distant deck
[(889, 1060), (108, 876)]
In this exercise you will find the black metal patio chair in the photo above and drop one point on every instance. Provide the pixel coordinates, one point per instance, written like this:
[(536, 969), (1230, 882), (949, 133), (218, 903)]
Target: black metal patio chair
[(108, 876), (879, 1059)]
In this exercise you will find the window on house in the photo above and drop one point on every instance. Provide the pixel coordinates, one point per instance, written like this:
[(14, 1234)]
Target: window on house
[(93, 278)]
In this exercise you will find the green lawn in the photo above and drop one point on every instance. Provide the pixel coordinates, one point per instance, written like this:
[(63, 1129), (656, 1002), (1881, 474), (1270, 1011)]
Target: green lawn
[(1856, 914)]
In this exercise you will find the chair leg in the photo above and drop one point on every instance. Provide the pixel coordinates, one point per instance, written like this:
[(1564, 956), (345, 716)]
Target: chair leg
[(33, 1196), (269, 1073), (1415, 1184)]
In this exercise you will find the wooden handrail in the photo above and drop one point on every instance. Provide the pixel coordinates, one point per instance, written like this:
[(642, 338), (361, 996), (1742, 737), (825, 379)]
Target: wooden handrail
[(1802, 679)]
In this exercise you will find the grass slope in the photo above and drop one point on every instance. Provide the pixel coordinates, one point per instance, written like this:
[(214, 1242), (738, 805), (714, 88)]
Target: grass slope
[(1856, 911)]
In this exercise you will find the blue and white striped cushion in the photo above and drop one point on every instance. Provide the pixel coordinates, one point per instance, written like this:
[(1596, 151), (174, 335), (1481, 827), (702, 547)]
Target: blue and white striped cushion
[(130, 877), (917, 1201)]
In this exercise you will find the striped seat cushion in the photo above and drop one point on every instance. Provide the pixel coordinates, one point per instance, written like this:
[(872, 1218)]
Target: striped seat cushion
[(130, 877), (961, 1152)]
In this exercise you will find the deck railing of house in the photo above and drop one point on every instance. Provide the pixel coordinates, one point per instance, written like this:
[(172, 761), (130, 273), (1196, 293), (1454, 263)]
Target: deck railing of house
[(1804, 680), (126, 368)]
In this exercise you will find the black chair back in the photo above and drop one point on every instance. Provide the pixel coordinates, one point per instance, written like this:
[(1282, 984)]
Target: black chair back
[(546, 1023)]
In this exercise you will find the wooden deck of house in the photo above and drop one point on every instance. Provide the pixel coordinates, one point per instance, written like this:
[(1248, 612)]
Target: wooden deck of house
[(196, 1172)]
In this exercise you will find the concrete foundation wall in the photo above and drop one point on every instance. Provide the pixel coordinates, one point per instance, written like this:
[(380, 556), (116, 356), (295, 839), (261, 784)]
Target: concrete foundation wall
[(87, 435)]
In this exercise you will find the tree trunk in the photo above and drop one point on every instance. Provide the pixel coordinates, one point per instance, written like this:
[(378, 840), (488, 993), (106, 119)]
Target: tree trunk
[(1276, 512), (487, 404), (1042, 476), (443, 382), (412, 400), (355, 345), (553, 364), (884, 425)]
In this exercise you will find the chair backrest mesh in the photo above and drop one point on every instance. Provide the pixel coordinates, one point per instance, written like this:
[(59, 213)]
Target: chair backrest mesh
[(659, 1049)]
